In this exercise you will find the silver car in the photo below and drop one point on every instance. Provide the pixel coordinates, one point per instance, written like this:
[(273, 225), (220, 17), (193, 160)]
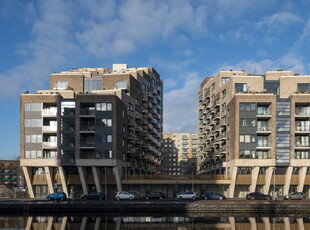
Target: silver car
[(187, 195), (124, 196)]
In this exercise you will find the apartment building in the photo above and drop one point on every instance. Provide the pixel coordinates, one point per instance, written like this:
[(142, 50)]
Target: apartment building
[(179, 153), (91, 127), (255, 129), (10, 175)]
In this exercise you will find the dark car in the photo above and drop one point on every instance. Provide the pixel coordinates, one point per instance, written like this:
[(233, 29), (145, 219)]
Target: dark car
[(212, 196), (155, 195), (93, 195), (257, 196), (57, 196), (295, 196)]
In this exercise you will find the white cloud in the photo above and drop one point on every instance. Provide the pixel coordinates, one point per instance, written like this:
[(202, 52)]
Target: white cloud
[(286, 62), (180, 106), (304, 37)]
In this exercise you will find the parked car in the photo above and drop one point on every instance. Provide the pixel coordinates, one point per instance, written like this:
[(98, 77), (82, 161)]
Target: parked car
[(57, 196), (187, 195), (295, 196), (124, 196), (257, 196), (155, 195), (94, 195), (212, 196)]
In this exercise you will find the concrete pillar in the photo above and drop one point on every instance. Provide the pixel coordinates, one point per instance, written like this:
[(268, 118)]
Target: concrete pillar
[(83, 224), (300, 223), (82, 174), (28, 178), (29, 223), (288, 177), (63, 177), (97, 223), (50, 223), (117, 178), (233, 181), (64, 222), (232, 223), (49, 179), (266, 223), (96, 178), (287, 225), (302, 178), (253, 223), (255, 172), (268, 177)]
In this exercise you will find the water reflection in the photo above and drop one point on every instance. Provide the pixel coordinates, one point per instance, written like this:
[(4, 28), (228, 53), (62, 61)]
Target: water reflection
[(148, 222)]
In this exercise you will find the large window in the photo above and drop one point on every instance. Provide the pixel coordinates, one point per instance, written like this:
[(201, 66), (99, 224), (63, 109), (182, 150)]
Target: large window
[(247, 107), (247, 138), (103, 138), (283, 108), (283, 140), (241, 87), (272, 87), (33, 138), (303, 87), (33, 106), (104, 106), (33, 154), (61, 85), (90, 85), (123, 84), (302, 141), (252, 154), (302, 154), (33, 122), (247, 122), (225, 79)]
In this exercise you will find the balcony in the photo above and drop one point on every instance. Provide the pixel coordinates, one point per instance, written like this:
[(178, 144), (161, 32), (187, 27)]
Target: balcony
[(263, 145), (88, 144), (302, 129), (266, 129), (87, 128), (87, 112), (264, 112), (52, 111), (301, 145), (49, 129), (302, 111), (49, 144)]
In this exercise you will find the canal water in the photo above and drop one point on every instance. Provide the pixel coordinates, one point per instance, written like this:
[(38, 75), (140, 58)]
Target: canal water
[(136, 221)]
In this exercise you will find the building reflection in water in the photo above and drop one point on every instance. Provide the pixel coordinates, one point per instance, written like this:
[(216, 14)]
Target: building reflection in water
[(136, 222)]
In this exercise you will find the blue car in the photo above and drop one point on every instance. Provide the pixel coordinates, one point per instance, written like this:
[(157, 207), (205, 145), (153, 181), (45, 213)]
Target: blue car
[(57, 196), (212, 196)]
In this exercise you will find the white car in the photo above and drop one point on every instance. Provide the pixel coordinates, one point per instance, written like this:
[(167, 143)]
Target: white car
[(187, 195), (124, 196)]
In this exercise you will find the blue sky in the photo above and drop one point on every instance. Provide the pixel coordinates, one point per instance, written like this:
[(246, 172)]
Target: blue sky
[(185, 41)]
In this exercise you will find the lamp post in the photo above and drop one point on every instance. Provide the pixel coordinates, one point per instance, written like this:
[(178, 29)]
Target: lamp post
[(274, 182)]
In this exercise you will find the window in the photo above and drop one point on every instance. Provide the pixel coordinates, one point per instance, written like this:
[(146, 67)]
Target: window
[(302, 154), (103, 138), (130, 107), (247, 122), (104, 106), (223, 107), (33, 122), (61, 85), (247, 138), (33, 106), (303, 87), (225, 79), (123, 84), (33, 138), (272, 87), (224, 93), (33, 154), (90, 85), (283, 108), (302, 141), (241, 87), (104, 122), (143, 86), (212, 86), (247, 107), (283, 140)]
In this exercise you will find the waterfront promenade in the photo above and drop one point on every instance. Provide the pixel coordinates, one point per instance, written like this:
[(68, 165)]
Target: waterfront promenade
[(198, 207)]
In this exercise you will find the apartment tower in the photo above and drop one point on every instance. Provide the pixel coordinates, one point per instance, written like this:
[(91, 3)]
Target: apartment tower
[(93, 126), (255, 130), (179, 153)]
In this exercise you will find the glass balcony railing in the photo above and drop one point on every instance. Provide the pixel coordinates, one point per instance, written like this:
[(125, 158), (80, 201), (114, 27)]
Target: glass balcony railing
[(264, 128), (87, 128), (302, 129), (49, 144), (49, 128), (263, 144), (264, 112), (87, 112)]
